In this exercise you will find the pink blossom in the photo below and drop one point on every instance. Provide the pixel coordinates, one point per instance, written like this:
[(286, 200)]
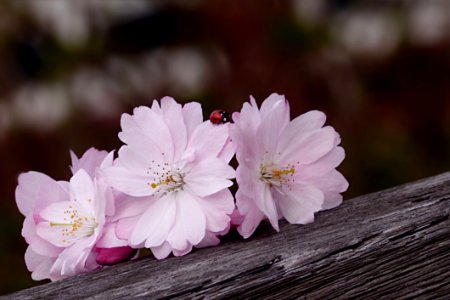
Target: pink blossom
[(176, 168), (109, 248), (65, 220), (286, 168)]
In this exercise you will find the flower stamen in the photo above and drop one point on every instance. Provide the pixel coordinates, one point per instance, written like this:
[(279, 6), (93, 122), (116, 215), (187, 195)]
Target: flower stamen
[(77, 226), (169, 181), (277, 177)]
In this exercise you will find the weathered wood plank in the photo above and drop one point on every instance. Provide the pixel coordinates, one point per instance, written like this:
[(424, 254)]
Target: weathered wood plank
[(390, 244)]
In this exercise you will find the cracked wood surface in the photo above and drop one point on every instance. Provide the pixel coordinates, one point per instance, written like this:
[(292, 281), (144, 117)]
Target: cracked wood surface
[(390, 244)]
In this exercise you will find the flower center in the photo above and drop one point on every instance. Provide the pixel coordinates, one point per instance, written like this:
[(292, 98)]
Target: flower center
[(169, 181), (276, 177), (76, 225)]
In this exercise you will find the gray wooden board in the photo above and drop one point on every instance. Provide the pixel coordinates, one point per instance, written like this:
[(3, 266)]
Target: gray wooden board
[(390, 244)]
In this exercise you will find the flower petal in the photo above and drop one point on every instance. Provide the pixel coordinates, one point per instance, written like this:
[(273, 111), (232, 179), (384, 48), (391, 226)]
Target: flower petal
[(37, 264), (323, 165), (308, 149), (251, 218), (272, 126), (145, 122), (217, 208), (83, 191), (154, 224), (299, 205), (38, 244), (90, 161), (161, 252), (190, 224), (209, 139), (125, 227), (193, 116), (109, 238), (28, 188), (174, 119), (127, 182)]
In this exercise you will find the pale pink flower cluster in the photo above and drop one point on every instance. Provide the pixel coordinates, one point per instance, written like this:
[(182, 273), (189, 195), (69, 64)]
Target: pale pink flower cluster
[(168, 188)]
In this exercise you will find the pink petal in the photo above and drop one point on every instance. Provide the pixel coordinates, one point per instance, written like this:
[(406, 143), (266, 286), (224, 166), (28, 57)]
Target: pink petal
[(125, 227), (227, 152), (38, 244), (127, 182), (130, 207), (154, 224), (204, 186), (27, 190), (75, 256), (182, 252), (49, 193), (272, 126), (209, 240), (161, 252), (174, 119), (82, 190), (299, 205), (308, 149), (149, 123), (323, 165), (271, 102), (190, 223), (251, 218), (193, 116), (208, 176), (331, 200), (309, 121), (209, 139), (109, 238), (331, 182), (37, 264), (264, 201), (90, 161), (135, 162), (217, 208)]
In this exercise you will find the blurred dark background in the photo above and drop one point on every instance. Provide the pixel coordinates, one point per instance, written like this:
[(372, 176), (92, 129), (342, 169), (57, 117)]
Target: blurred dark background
[(379, 69)]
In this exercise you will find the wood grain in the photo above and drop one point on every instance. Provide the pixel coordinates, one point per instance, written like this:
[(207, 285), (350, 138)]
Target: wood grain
[(393, 244)]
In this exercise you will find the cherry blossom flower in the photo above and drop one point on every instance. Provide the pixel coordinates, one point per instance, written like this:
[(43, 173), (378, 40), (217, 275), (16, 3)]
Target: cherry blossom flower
[(286, 168), (109, 248), (65, 220), (176, 168)]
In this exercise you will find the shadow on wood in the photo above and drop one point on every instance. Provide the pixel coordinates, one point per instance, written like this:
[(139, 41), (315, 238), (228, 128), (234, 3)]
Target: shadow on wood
[(394, 243)]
